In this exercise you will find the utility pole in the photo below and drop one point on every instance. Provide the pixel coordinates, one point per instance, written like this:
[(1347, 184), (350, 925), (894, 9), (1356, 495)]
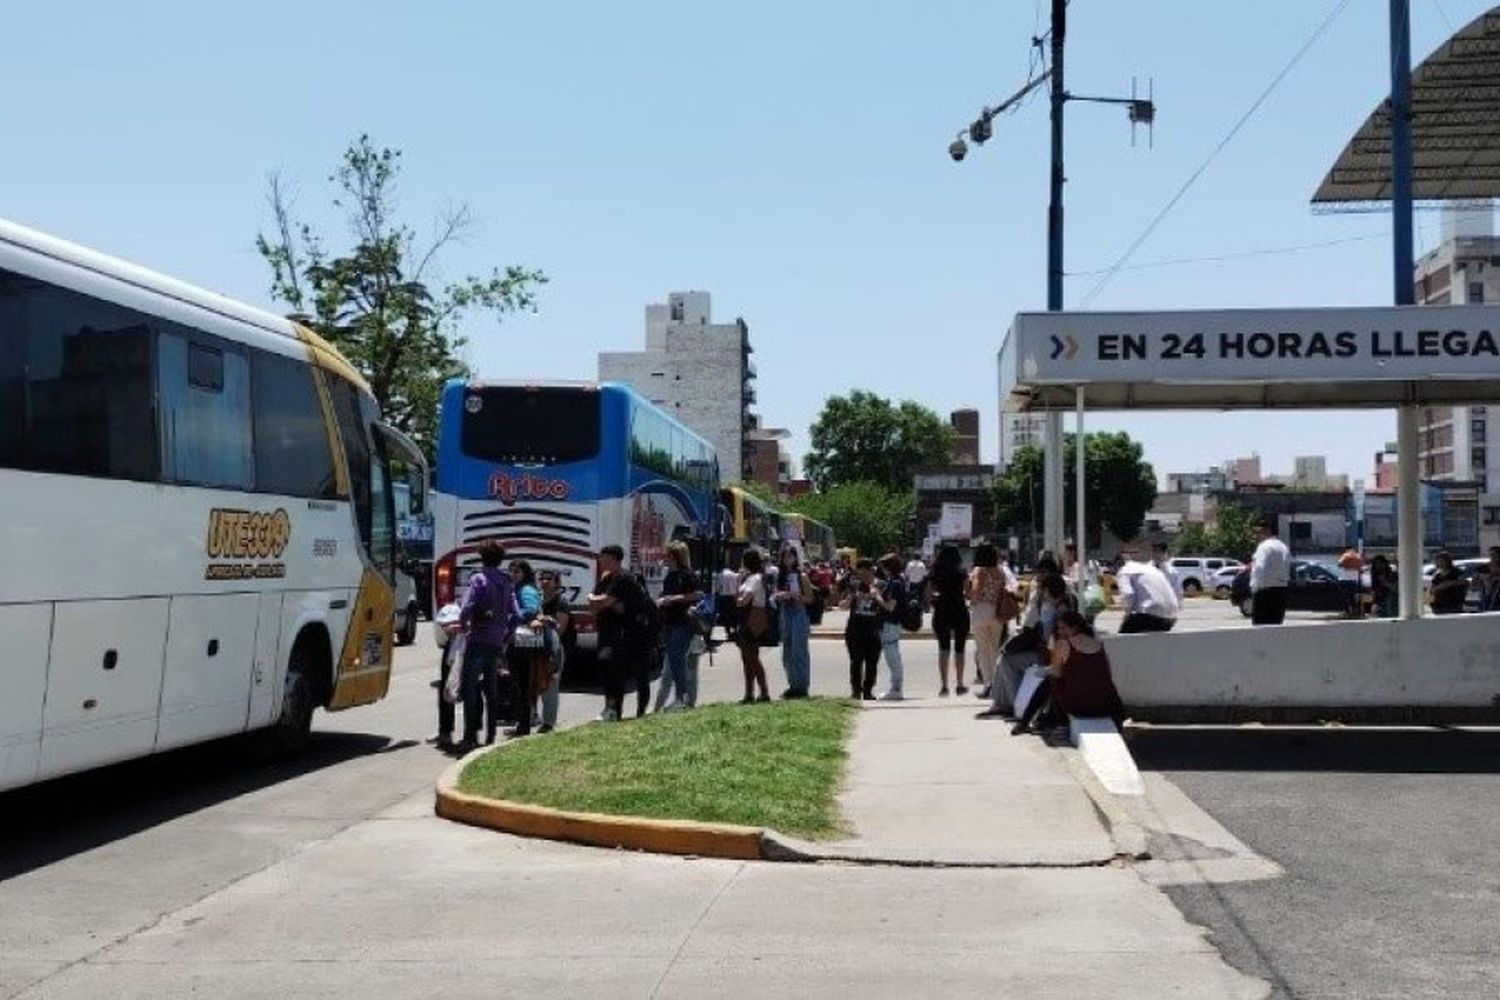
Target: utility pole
[(1052, 517), (1409, 512)]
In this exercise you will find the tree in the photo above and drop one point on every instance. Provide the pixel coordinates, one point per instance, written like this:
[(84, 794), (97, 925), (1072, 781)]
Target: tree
[(867, 516), (376, 302), (1119, 486), (863, 437), (1194, 540), (758, 490), (1233, 534)]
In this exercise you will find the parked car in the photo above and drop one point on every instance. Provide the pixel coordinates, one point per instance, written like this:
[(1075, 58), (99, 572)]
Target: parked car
[(1222, 582), (1196, 572), (1312, 587), (407, 608)]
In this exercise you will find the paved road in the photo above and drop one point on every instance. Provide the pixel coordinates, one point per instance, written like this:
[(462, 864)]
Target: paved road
[(1388, 841), (202, 874)]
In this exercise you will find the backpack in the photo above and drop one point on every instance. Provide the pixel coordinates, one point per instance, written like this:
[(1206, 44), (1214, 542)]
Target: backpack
[(910, 609)]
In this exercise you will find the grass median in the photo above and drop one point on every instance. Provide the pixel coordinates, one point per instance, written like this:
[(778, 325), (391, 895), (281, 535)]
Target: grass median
[(776, 766)]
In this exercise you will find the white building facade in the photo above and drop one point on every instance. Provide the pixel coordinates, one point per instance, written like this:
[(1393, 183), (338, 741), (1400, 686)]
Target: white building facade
[(697, 370)]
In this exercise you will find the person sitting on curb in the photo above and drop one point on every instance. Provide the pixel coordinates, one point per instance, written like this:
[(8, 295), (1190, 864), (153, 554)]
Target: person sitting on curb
[(1078, 681), (1028, 647)]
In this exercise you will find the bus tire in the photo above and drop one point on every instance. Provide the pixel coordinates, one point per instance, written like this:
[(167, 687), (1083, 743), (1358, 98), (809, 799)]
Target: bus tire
[(288, 735), (408, 633)]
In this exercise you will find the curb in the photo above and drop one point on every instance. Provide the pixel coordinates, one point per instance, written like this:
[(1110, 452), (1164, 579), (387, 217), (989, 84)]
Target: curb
[(637, 833), (1128, 836)]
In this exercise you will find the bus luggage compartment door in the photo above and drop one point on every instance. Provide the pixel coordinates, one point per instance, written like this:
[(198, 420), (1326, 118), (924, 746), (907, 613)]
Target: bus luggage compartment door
[(205, 690), (103, 683), (24, 629)]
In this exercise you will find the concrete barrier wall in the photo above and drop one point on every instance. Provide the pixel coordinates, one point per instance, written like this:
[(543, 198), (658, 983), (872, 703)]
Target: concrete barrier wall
[(1433, 669)]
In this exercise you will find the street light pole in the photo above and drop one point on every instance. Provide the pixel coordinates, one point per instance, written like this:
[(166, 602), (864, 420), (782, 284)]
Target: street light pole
[(1052, 494)]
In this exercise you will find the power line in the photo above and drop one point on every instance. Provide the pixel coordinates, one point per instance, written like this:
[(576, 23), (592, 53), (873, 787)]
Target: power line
[(1192, 179), (1234, 255)]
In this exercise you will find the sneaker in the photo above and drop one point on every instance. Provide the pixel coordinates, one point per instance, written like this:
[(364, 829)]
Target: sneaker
[(609, 715), (962, 689), (788, 694), (676, 706), (984, 693), (943, 692), (544, 728), (764, 699), (990, 713), (891, 696)]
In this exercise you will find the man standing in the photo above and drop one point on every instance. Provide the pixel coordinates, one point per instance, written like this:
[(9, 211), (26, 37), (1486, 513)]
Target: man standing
[(1146, 595), (1270, 572), (617, 603), (726, 593), (1161, 558)]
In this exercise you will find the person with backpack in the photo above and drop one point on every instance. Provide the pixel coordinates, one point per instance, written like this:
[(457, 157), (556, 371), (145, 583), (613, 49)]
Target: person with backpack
[(757, 627), (894, 597), (795, 590), (621, 607), (488, 615)]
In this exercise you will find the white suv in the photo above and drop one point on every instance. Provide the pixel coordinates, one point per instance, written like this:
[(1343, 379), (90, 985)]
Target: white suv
[(1196, 573)]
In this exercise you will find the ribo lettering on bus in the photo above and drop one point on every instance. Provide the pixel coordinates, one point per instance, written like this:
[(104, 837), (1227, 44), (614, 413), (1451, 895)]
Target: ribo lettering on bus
[(508, 489)]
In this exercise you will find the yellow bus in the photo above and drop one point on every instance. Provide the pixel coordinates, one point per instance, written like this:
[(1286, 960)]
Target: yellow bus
[(752, 521), (817, 539), (196, 499)]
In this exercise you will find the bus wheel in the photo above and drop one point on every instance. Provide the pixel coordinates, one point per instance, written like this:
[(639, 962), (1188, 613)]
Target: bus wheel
[(288, 734)]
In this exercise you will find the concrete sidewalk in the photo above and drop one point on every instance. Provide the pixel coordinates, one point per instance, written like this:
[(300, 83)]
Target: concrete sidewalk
[(930, 784)]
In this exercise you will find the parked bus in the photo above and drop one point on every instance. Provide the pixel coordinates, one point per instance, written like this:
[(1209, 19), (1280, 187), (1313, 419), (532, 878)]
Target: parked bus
[(555, 471), (751, 521), (196, 513), (816, 537)]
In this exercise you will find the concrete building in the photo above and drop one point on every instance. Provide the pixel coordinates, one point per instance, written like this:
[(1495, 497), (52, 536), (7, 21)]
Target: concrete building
[(767, 461), (1243, 471), (1385, 469), (965, 425), (1212, 481), (1453, 441), (697, 370)]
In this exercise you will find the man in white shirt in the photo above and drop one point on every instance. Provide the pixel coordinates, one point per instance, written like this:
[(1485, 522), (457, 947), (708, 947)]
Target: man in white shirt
[(1270, 572), (726, 596), (916, 573), (1146, 595), (1161, 558)]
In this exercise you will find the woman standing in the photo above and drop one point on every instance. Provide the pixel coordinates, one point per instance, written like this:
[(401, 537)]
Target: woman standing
[(753, 605), (862, 630), (680, 592), (892, 597), (1384, 589), (991, 607), (555, 618), (950, 615), (528, 647), (794, 591)]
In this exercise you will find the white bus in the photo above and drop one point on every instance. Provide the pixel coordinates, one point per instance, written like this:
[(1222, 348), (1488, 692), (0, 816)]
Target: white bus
[(196, 517)]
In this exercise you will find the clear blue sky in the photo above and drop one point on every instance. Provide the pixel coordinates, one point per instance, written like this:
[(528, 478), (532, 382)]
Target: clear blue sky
[(788, 157)]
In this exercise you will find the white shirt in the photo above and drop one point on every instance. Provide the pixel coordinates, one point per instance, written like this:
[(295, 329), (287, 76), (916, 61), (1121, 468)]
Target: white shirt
[(1011, 583), (755, 587), (1171, 574), (729, 582), (1145, 590), (1270, 567), (916, 572)]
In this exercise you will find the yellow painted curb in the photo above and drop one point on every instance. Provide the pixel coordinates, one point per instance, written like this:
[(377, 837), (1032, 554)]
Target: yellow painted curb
[(637, 833)]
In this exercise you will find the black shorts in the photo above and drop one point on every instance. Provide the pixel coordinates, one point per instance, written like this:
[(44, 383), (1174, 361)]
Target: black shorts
[(951, 626)]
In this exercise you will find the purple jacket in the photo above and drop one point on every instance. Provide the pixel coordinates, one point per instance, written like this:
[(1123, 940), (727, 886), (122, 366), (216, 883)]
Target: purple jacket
[(490, 588)]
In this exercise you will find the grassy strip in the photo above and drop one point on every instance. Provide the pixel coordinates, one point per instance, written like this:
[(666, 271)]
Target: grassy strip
[(776, 766)]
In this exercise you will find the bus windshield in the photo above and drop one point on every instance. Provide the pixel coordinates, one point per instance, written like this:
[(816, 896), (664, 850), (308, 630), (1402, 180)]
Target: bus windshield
[(530, 425)]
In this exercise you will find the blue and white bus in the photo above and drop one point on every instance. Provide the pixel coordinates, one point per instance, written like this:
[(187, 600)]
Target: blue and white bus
[(558, 470)]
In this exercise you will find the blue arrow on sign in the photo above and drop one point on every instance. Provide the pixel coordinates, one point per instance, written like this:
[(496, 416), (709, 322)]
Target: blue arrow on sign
[(1057, 347)]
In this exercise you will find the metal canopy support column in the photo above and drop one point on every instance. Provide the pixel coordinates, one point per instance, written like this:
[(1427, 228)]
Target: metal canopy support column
[(1408, 499), (1052, 467), (1080, 531)]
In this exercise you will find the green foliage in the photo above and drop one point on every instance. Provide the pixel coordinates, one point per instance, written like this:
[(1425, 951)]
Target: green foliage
[(867, 516), (863, 437), (776, 766), (1233, 535), (1119, 486), (375, 302)]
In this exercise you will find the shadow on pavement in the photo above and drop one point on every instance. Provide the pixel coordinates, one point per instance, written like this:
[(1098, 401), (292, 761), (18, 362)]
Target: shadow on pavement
[(66, 816), (1372, 751)]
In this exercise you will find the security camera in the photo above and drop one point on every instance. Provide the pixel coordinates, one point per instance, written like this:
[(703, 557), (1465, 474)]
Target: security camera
[(958, 149)]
